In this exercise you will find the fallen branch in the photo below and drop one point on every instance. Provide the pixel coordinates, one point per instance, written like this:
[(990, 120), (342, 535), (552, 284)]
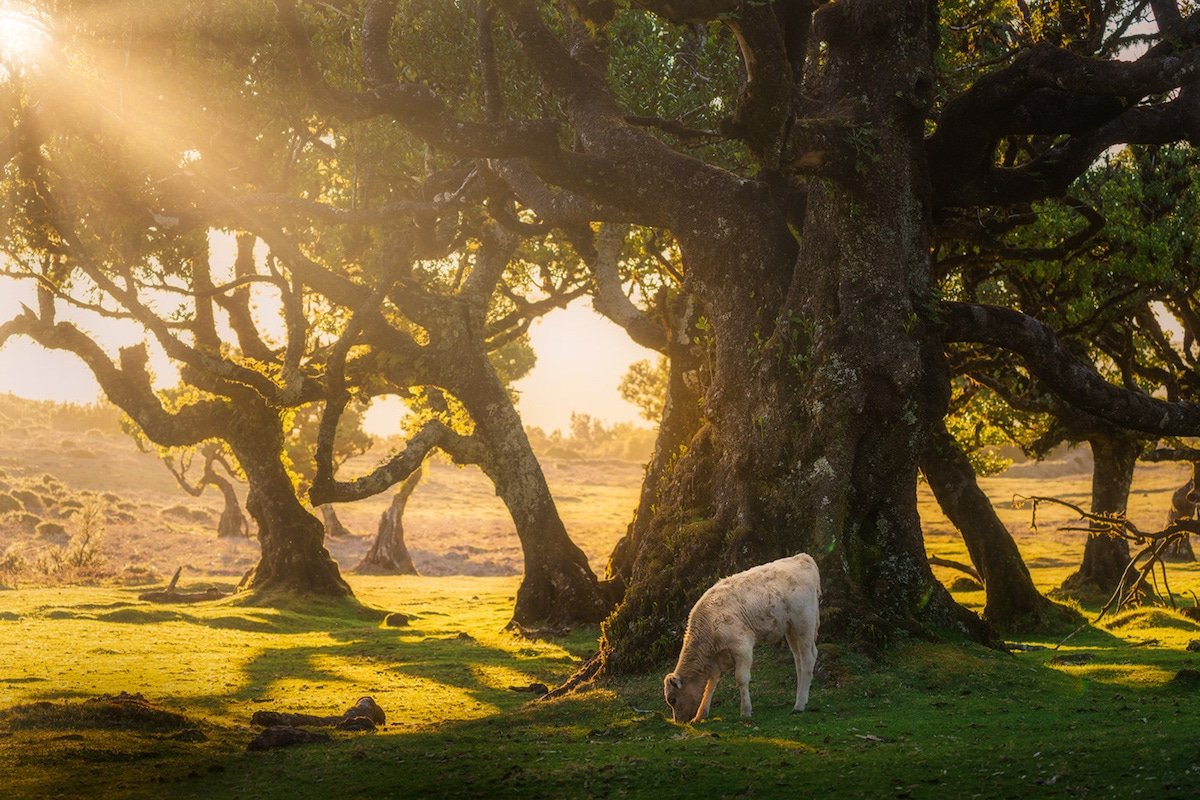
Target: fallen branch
[(170, 595), (938, 561)]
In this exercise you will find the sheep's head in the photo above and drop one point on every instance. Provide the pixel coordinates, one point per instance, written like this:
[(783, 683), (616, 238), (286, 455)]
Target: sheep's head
[(683, 696)]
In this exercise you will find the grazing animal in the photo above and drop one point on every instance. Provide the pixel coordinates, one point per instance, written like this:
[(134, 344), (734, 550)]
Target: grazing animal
[(774, 601)]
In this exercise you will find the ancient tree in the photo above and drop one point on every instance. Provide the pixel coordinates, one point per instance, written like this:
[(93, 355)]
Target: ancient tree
[(842, 142)]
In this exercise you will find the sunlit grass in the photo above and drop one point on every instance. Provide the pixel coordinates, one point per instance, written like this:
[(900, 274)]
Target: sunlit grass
[(933, 720)]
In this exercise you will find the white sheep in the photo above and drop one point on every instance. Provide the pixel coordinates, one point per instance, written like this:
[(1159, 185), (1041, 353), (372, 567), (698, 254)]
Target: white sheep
[(779, 600)]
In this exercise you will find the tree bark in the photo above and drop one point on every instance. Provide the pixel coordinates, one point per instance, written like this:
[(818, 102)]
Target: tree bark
[(559, 586), (680, 421), (1105, 558), (1013, 602), (389, 554), (840, 327), (294, 559)]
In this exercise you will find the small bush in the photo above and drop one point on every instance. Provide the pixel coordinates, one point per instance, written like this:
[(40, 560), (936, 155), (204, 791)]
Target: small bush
[(109, 497), (30, 500), (24, 520), (200, 515), (177, 512), (9, 503), (53, 532)]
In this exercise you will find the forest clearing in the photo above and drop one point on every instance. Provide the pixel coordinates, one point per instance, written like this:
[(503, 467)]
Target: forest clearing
[(448, 369), (1110, 712)]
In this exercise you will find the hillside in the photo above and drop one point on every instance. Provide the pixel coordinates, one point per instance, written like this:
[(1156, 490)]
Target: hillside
[(56, 461)]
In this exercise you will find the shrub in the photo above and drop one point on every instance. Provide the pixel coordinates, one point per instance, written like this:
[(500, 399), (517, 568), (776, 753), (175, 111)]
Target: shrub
[(24, 520), (9, 503), (109, 497), (53, 532), (177, 512), (30, 500)]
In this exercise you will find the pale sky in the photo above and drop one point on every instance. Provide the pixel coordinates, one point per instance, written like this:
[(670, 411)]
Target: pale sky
[(581, 358)]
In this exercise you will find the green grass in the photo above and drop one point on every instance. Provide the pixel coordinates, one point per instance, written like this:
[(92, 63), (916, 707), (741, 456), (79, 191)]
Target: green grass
[(933, 721)]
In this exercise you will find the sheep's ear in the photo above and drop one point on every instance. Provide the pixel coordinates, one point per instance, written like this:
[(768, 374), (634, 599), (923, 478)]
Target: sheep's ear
[(673, 679)]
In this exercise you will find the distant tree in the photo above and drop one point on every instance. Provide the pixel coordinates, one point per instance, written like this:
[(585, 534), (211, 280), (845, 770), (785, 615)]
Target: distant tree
[(389, 554), (233, 521), (645, 386)]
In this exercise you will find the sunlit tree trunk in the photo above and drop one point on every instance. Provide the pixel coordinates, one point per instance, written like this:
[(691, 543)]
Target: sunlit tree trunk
[(334, 528), (1012, 601), (389, 554), (559, 586), (294, 559)]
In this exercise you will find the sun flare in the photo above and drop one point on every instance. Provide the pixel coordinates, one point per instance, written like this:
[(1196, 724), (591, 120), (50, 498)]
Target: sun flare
[(24, 34)]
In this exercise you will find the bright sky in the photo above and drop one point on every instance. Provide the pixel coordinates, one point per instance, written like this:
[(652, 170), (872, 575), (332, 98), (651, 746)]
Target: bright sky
[(581, 358)]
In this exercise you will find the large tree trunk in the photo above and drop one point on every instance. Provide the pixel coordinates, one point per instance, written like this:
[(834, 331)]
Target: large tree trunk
[(680, 420), (294, 560), (825, 377), (389, 554), (559, 586), (1114, 456), (1013, 602)]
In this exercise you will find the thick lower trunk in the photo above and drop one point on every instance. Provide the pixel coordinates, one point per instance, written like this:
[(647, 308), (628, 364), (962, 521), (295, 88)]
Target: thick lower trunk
[(1013, 602), (1105, 558), (824, 383), (389, 554), (559, 586), (679, 423), (294, 560)]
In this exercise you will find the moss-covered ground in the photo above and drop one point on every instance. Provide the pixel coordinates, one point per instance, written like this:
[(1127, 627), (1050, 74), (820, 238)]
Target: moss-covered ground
[(1112, 713)]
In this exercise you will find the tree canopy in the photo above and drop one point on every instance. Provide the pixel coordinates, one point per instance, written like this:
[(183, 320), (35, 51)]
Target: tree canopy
[(809, 207)]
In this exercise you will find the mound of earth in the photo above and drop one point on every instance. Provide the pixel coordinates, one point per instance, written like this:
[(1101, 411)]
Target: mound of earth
[(121, 711)]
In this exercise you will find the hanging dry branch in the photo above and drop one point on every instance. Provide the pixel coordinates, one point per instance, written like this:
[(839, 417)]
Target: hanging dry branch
[(1139, 580)]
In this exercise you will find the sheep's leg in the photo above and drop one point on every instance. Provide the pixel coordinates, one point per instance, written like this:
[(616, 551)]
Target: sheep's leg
[(741, 670), (706, 700), (804, 654)]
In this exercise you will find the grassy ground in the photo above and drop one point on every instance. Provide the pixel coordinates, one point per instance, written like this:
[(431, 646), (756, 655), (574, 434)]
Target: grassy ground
[(1110, 714)]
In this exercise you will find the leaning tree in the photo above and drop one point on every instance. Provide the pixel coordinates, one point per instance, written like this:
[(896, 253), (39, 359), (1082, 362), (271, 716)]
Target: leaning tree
[(862, 130)]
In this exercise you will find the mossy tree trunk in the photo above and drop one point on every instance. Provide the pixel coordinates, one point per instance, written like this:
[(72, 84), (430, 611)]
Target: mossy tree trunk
[(826, 377), (294, 559)]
